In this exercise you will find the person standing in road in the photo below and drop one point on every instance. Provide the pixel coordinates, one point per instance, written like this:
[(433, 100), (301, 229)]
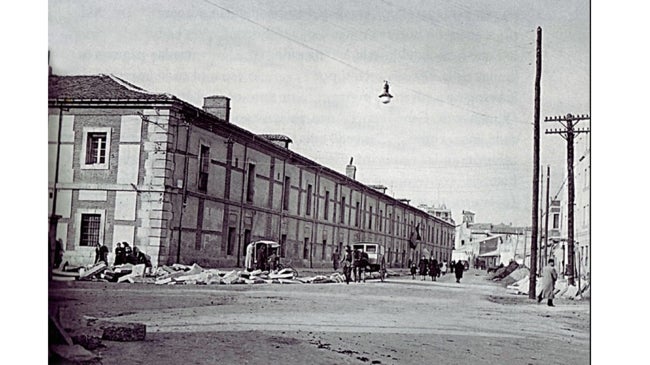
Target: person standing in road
[(335, 259), (414, 269), (356, 266), (347, 264), (434, 269), (452, 266), (443, 267), (549, 277), (458, 270), (423, 266), (364, 261)]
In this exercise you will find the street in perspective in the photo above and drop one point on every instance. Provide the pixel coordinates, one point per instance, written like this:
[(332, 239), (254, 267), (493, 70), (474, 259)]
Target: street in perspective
[(398, 321), (334, 182)]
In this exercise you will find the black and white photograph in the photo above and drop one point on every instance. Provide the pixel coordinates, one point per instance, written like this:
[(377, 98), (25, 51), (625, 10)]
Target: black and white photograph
[(319, 182)]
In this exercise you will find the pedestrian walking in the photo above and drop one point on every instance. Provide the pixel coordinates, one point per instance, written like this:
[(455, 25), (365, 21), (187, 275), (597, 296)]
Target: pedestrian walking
[(452, 266), (423, 265), (335, 259), (434, 269), (549, 277), (414, 270), (443, 267), (458, 270)]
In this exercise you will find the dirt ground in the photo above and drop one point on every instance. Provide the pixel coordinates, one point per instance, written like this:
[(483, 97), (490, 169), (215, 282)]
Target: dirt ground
[(400, 321)]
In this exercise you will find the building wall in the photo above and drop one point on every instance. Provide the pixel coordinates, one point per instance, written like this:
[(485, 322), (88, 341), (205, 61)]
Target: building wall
[(149, 196), (127, 192)]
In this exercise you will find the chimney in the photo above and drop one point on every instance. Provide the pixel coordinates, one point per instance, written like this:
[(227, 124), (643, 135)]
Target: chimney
[(218, 106), (351, 170)]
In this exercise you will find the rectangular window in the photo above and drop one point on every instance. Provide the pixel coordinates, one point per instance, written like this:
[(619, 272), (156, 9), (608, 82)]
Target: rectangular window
[(305, 249), (247, 241), (309, 193), (250, 194), (96, 148), (324, 250), (232, 236), (342, 209), (283, 245), (356, 216), (326, 208), (370, 219), (90, 229), (556, 221), (381, 219), (204, 167), (285, 192), (390, 223)]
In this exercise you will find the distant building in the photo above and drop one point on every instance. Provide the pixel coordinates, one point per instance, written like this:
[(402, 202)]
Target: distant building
[(186, 185), (490, 244)]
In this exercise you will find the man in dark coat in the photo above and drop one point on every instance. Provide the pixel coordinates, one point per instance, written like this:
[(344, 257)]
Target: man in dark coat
[(356, 265), (433, 269), (119, 254), (101, 253), (423, 266), (458, 270), (364, 261), (335, 259)]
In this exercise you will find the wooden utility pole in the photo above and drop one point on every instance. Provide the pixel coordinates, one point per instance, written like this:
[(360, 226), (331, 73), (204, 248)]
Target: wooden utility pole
[(548, 184), (568, 133), (533, 239)]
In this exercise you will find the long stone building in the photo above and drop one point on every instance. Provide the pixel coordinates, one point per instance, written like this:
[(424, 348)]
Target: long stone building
[(186, 185)]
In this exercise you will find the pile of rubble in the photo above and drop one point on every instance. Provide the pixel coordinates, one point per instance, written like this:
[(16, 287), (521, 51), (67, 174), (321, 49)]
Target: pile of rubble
[(184, 274), (562, 289)]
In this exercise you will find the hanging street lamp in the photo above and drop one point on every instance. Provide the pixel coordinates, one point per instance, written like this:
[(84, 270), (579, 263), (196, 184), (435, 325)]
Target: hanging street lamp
[(385, 96)]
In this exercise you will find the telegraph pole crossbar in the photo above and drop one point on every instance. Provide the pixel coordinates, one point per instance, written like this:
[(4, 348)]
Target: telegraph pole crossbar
[(568, 133)]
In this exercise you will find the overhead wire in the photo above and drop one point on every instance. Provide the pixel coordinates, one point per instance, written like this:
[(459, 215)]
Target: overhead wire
[(352, 66)]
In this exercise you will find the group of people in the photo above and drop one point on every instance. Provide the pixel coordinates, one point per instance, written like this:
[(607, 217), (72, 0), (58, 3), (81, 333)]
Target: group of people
[(354, 263), (435, 269), (124, 254)]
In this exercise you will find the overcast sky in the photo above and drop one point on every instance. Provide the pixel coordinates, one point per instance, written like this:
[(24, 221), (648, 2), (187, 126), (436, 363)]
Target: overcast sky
[(458, 131)]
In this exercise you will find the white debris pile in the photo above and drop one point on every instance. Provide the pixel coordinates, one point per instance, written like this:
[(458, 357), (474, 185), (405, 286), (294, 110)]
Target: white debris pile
[(562, 289), (519, 273), (195, 274)]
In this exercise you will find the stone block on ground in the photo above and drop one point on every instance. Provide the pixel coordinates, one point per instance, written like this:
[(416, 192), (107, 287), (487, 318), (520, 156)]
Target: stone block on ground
[(96, 269), (117, 331), (87, 340)]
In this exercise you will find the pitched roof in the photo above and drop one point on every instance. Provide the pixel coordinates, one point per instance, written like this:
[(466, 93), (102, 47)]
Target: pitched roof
[(104, 87)]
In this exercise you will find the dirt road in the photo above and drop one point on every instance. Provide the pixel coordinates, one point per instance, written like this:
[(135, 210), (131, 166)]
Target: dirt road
[(400, 321)]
